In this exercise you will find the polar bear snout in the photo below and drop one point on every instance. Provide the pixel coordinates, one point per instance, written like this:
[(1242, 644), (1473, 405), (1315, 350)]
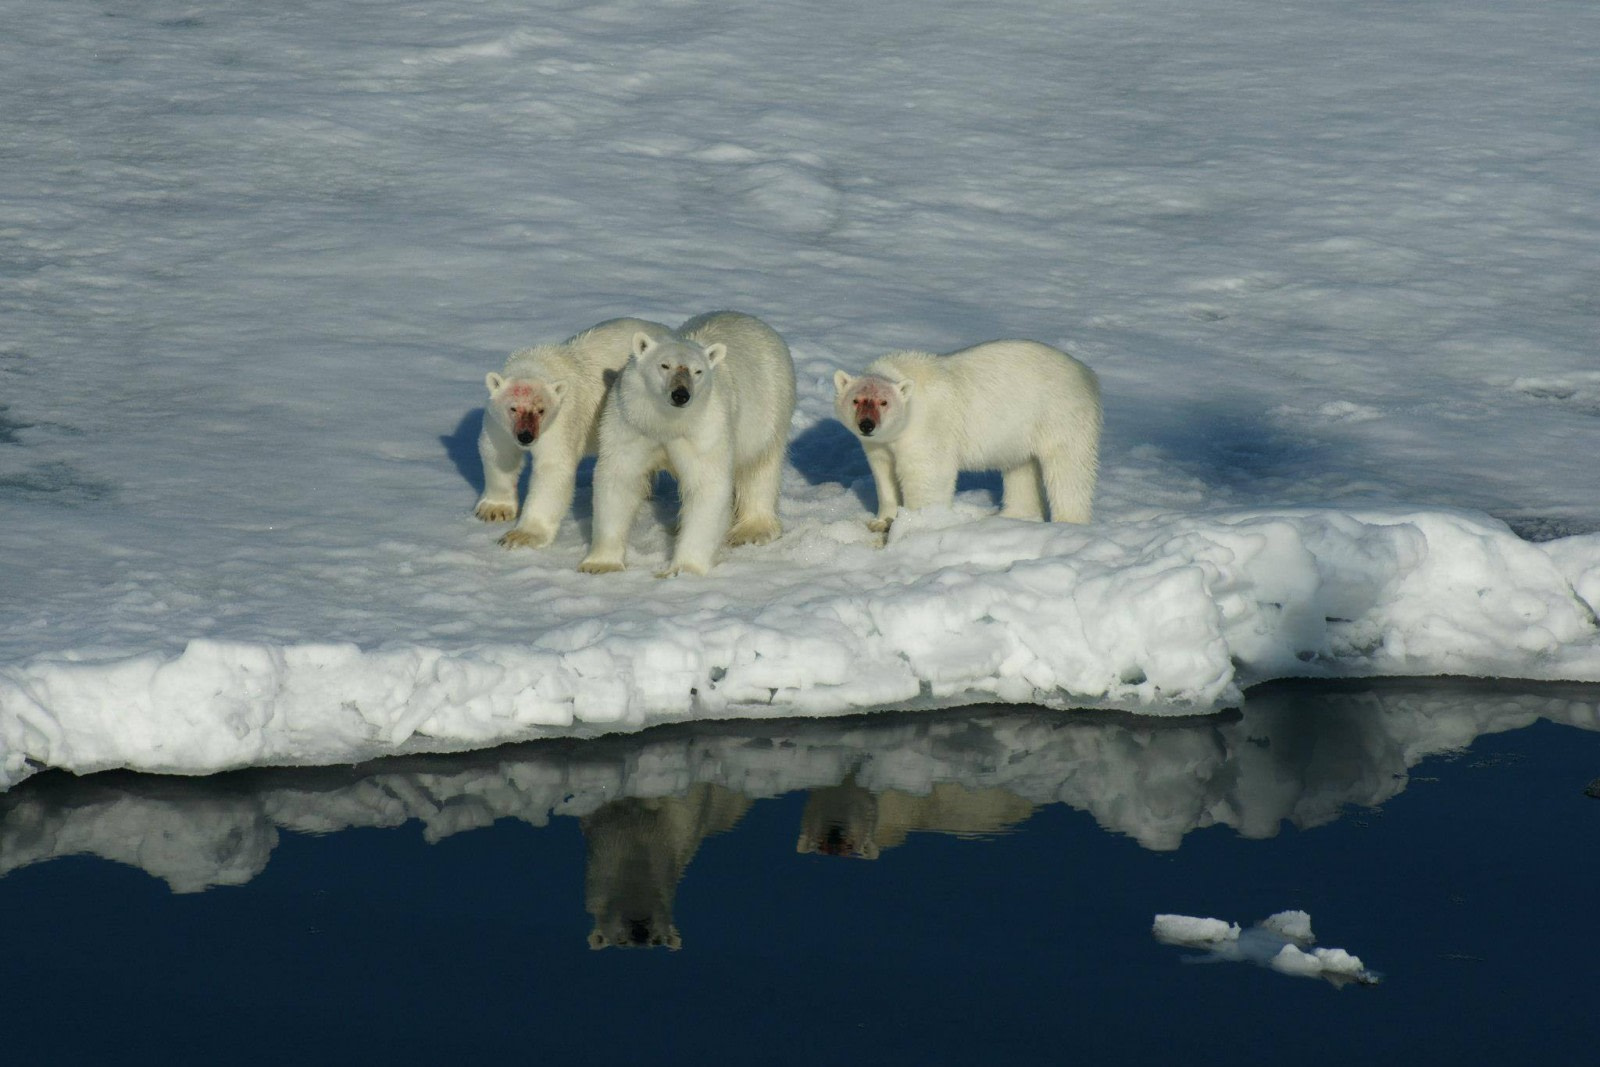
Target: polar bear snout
[(869, 414), (525, 425), (678, 387)]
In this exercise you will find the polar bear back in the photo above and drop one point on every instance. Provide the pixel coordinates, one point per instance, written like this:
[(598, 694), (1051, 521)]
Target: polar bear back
[(758, 378), (998, 403)]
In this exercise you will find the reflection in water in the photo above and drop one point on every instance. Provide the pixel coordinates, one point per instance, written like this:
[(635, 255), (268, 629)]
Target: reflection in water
[(1296, 753), (637, 850), (850, 820)]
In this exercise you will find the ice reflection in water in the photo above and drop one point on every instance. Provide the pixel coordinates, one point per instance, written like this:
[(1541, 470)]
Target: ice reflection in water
[(1297, 753)]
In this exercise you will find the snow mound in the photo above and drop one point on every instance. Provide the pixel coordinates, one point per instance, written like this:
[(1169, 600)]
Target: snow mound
[(1169, 615)]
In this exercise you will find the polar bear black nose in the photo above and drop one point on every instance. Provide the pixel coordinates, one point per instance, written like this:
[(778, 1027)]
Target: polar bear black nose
[(867, 426), (526, 437), (680, 397)]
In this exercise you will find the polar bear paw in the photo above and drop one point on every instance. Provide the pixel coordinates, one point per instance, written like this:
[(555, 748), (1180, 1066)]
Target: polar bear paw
[(600, 566), (680, 569), (496, 510), (529, 535), (880, 525), (757, 531)]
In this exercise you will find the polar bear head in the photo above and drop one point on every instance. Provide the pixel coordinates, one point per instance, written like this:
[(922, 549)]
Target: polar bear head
[(675, 370), (524, 406), (874, 407)]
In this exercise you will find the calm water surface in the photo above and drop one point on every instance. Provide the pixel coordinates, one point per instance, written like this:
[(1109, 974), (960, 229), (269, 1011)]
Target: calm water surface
[(964, 888)]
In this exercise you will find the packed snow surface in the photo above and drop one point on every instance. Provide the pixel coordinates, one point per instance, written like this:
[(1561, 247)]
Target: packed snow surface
[(1335, 265)]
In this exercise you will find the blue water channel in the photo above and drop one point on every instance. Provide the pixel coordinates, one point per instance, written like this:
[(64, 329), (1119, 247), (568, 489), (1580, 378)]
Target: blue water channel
[(966, 888)]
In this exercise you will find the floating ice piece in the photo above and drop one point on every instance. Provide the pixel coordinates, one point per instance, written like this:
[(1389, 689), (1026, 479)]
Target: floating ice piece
[(1282, 942)]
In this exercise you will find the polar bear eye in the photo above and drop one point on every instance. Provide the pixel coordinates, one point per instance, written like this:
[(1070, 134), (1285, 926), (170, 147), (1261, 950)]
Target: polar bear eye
[(666, 366), (698, 372)]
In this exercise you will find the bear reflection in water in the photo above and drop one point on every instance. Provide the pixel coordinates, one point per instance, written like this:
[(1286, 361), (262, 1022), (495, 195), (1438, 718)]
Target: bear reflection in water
[(638, 849), (849, 820), (1296, 754), (637, 852)]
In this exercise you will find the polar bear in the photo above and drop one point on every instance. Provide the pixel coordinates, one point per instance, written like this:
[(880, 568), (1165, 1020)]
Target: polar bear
[(545, 403), (638, 850), (1021, 407), (712, 403)]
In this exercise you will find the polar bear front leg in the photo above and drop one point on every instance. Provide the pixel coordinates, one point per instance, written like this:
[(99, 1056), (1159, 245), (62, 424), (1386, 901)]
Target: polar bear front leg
[(555, 472), (502, 464), (926, 481), (620, 482), (881, 461), (705, 491)]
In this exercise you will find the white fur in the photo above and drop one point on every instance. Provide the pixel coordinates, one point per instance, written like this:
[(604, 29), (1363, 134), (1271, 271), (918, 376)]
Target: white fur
[(1020, 407), (725, 446), (567, 383)]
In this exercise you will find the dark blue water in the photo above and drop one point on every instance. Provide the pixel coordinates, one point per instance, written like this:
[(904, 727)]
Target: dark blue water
[(963, 888)]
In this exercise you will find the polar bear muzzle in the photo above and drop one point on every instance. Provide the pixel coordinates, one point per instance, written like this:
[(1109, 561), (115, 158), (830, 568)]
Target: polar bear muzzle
[(678, 387), (525, 425)]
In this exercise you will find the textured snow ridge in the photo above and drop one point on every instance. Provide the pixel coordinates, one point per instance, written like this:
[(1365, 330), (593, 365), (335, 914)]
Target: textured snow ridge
[(1282, 942), (1168, 615)]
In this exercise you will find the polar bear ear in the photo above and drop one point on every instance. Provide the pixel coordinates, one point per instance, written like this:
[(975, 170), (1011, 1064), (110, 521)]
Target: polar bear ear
[(493, 381), (642, 343), (716, 352), (842, 381), (557, 389), (597, 939), (903, 387)]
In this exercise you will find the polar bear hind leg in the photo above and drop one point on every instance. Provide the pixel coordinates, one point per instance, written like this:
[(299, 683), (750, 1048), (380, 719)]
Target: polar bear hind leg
[(1021, 497), (1068, 484)]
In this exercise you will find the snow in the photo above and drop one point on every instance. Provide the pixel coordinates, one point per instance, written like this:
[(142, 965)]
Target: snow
[(1281, 942), (1334, 265)]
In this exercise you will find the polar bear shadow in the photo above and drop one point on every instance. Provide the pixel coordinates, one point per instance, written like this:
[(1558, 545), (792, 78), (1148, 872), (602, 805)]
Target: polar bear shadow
[(827, 452), (461, 446)]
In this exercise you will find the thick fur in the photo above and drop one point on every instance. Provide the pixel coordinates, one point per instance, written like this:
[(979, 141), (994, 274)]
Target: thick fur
[(554, 393), (1020, 407), (638, 850), (725, 442)]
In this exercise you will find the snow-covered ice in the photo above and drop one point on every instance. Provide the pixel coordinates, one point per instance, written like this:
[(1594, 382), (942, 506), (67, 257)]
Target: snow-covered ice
[(1283, 942), (1335, 265)]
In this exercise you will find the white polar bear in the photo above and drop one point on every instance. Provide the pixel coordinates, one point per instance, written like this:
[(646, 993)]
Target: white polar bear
[(712, 403), (1021, 407), (546, 403)]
